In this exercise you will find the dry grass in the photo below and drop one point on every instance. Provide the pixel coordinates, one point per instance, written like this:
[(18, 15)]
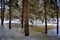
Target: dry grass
[(42, 28), (34, 28), (14, 25)]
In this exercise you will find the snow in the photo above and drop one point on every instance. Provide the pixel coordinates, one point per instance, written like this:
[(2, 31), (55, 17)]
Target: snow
[(21, 36), (35, 22), (53, 32), (12, 21)]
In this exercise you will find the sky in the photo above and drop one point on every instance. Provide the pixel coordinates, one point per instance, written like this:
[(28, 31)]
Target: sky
[(6, 7), (58, 3)]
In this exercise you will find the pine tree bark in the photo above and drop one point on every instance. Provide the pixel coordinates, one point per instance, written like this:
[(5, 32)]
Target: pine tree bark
[(25, 17)]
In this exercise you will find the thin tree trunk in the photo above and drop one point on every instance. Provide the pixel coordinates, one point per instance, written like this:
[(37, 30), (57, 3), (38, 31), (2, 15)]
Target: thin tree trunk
[(45, 3), (2, 11), (10, 14), (56, 9), (22, 13), (26, 20)]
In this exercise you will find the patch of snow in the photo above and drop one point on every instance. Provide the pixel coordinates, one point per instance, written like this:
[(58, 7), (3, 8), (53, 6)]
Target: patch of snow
[(35, 22), (53, 32)]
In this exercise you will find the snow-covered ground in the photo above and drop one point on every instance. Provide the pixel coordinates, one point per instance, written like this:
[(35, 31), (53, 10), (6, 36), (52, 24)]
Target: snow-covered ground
[(35, 22), (17, 35)]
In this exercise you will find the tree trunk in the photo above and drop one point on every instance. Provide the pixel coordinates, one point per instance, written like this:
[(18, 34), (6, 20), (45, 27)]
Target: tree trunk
[(25, 18), (10, 14), (45, 3), (22, 13), (2, 11), (56, 10)]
